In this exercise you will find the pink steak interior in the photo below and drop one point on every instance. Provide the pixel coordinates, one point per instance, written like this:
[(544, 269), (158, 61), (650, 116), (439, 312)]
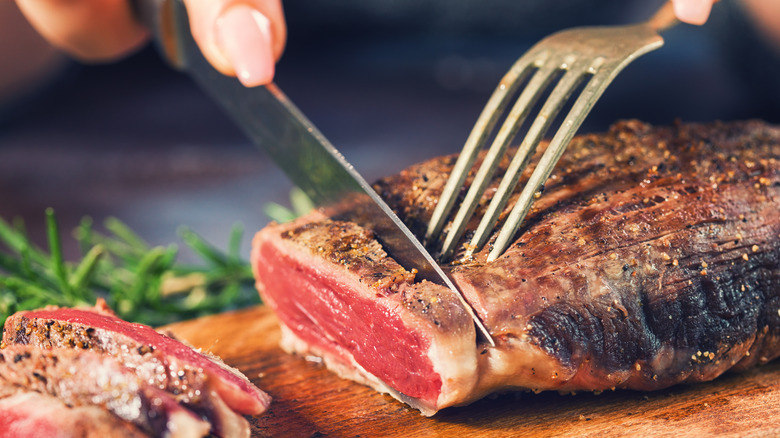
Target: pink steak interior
[(325, 312)]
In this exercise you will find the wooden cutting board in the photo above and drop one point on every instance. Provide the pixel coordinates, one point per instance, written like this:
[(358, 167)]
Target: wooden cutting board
[(309, 401)]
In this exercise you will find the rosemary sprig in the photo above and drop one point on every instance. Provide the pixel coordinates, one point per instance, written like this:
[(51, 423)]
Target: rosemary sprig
[(300, 205), (142, 283)]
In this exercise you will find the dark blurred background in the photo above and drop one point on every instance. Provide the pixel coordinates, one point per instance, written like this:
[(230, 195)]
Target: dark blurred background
[(389, 82)]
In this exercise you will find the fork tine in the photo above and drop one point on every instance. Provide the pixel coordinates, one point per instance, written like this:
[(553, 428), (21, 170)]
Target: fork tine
[(599, 52), (568, 83), (476, 140), (582, 106), (538, 83)]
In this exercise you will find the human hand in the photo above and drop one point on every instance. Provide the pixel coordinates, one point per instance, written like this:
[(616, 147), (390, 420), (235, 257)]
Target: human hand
[(693, 11), (242, 38)]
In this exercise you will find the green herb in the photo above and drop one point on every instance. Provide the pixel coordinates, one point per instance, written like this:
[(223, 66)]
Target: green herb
[(301, 204), (142, 283)]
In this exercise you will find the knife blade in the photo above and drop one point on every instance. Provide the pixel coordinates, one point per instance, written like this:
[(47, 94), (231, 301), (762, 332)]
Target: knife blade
[(275, 125)]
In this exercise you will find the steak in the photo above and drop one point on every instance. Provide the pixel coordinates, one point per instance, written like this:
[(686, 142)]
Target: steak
[(87, 378), (147, 364), (651, 258)]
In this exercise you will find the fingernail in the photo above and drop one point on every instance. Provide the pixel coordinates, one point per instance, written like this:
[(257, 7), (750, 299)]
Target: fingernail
[(244, 35), (693, 11)]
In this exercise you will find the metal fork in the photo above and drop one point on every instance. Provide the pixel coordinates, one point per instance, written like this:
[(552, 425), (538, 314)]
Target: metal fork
[(592, 54)]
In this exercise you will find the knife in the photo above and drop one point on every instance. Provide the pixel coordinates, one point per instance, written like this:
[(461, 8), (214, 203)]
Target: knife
[(274, 124)]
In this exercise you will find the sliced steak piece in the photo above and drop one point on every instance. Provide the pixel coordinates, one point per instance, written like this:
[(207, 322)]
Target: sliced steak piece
[(340, 297), (87, 378), (652, 258), (135, 345), (32, 414)]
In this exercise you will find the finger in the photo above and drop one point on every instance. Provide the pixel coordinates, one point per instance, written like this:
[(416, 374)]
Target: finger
[(241, 38), (693, 11), (89, 30), (766, 16)]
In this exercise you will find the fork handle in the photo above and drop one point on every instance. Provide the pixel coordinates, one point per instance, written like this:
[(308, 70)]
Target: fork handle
[(664, 18)]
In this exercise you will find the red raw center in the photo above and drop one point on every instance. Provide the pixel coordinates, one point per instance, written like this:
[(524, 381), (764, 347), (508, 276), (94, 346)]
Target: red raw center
[(325, 313)]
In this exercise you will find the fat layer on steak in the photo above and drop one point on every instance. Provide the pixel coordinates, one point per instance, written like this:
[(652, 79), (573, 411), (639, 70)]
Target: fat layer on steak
[(652, 258)]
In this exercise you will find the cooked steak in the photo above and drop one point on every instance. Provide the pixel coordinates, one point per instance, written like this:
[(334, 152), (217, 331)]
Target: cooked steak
[(98, 329), (202, 383), (87, 378), (31, 414), (651, 258)]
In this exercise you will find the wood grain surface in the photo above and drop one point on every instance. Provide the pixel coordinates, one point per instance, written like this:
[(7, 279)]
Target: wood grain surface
[(309, 401)]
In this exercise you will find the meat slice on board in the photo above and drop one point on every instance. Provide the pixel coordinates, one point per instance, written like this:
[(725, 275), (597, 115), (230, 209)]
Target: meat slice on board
[(48, 342), (87, 378), (100, 330)]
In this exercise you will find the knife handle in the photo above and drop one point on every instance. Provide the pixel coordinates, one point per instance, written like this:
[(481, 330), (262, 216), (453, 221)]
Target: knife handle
[(166, 19), (145, 11)]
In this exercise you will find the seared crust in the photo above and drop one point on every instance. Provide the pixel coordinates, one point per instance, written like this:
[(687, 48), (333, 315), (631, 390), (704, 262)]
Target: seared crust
[(355, 248)]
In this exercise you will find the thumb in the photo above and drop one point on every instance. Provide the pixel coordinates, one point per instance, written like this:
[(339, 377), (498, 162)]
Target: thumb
[(242, 38)]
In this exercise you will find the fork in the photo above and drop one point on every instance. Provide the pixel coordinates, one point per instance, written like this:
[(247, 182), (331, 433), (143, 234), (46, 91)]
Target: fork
[(590, 57)]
